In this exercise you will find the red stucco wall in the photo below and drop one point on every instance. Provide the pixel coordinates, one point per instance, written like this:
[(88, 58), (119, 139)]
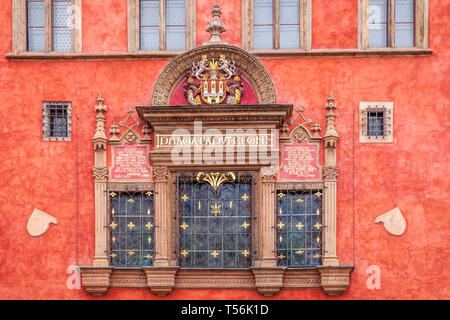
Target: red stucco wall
[(411, 173)]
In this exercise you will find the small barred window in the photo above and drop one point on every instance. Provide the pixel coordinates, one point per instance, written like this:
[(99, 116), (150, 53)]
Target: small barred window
[(57, 121), (132, 228), (376, 119), (299, 227)]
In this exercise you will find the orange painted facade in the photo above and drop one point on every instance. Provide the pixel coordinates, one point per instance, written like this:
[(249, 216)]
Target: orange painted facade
[(411, 173)]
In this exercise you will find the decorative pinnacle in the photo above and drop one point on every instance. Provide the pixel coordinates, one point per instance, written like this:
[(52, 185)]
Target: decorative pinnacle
[(215, 27), (100, 106), (330, 105)]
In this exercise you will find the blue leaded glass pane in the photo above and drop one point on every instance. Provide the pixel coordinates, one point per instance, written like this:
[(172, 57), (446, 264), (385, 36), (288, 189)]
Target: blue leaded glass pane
[(132, 228), (377, 23), (262, 24), (262, 37), (289, 36), (149, 25), (36, 39), (299, 226), (404, 23), (215, 225), (175, 12), (61, 24), (175, 38), (289, 12), (262, 12)]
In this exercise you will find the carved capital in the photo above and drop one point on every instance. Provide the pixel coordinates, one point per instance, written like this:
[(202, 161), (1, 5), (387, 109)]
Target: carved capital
[(161, 174), (330, 173), (100, 174), (268, 281), (335, 279), (161, 281), (96, 280)]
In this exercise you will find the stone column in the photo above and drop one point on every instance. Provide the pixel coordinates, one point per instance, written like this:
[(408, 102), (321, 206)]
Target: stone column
[(330, 171), (100, 173), (162, 217)]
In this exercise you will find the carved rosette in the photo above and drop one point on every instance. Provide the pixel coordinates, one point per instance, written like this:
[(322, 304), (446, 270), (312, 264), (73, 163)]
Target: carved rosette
[(161, 174), (268, 281), (96, 281), (330, 173), (335, 280), (100, 174), (161, 281)]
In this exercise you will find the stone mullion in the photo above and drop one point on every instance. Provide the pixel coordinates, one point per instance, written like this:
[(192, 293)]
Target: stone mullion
[(268, 222), (162, 217)]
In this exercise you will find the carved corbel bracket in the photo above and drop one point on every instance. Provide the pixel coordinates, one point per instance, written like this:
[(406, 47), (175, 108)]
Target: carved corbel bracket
[(268, 281), (96, 280), (334, 279), (161, 281), (330, 172)]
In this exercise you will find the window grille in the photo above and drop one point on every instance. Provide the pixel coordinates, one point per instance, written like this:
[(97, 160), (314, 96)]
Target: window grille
[(57, 120), (376, 121), (299, 225), (215, 225), (131, 225)]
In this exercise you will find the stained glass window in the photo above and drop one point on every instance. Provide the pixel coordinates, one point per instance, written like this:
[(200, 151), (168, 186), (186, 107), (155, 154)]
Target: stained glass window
[(215, 220), (299, 227), (132, 228)]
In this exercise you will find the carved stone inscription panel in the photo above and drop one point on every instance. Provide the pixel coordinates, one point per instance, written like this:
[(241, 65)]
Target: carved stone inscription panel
[(130, 162), (300, 161)]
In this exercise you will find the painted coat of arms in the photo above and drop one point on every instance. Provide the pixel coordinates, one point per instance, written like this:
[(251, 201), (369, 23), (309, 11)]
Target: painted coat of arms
[(212, 81)]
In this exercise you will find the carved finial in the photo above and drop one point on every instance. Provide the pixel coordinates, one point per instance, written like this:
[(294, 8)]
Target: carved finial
[(215, 27), (330, 105), (99, 107), (331, 136)]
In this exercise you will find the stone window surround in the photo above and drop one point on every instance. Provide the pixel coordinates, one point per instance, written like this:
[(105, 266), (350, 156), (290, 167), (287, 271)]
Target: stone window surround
[(364, 107), (19, 28), (304, 34), (134, 28), (420, 25), (46, 117)]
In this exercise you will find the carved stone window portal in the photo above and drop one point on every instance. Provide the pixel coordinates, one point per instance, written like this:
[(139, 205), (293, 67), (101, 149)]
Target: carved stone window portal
[(215, 220), (299, 227), (57, 121), (132, 227)]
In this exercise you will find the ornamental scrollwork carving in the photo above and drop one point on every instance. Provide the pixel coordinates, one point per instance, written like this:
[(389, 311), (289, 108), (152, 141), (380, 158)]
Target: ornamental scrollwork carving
[(330, 173), (160, 173), (100, 173)]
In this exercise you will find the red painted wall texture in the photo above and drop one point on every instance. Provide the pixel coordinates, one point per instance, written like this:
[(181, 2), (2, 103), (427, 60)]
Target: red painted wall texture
[(411, 173)]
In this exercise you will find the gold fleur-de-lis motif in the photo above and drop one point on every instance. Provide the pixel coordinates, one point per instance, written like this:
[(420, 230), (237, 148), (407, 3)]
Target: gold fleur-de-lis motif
[(281, 256), (113, 225), (149, 193), (245, 225), (215, 179), (245, 197), (131, 253), (184, 226), (245, 253), (148, 256), (317, 256), (113, 255), (281, 225), (131, 225), (281, 195), (299, 252), (299, 225), (184, 253), (317, 225), (216, 209), (112, 194), (318, 194), (149, 240), (214, 254), (185, 197), (149, 225), (130, 201), (299, 200)]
